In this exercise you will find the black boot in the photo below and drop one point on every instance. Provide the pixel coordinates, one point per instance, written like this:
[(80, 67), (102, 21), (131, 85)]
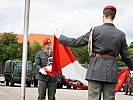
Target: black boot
[(130, 93)]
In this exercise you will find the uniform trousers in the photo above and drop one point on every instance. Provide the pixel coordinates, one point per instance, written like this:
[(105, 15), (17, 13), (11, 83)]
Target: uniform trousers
[(49, 87), (96, 88)]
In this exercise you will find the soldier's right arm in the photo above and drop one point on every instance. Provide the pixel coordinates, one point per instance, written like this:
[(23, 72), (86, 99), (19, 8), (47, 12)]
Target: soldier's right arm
[(37, 61)]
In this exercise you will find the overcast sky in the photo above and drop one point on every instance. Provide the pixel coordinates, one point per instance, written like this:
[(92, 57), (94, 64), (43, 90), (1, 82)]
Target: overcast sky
[(72, 17)]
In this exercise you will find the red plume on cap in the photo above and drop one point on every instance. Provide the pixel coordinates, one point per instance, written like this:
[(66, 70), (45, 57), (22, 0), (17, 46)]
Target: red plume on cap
[(46, 40), (110, 7)]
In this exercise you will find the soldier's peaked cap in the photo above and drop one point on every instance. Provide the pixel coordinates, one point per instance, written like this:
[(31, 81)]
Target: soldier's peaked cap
[(110, 7), (46, 40)]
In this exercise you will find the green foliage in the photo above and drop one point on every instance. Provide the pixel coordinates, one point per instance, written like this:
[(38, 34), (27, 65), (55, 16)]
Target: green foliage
[(8, 38), (33, 49), (131, 45), (9, 47), (81, 54), (120, 62), (131, 51)]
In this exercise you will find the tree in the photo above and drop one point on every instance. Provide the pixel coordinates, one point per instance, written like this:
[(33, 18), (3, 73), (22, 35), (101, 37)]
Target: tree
[(131, 51), (119, 59), (81, 54), (120, 62), (33, 49), (131, 45), (8, 38), (9, 47)]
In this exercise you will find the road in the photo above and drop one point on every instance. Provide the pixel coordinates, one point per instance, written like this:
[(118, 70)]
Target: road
[(13, 93)]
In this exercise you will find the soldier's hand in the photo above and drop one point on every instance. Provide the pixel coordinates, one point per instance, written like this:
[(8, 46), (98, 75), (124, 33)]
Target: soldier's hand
[(42, 71), (57, 34)]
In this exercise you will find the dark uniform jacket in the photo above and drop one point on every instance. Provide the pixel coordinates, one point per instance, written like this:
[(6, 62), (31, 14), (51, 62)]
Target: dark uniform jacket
[(41, 60), (107, 39)]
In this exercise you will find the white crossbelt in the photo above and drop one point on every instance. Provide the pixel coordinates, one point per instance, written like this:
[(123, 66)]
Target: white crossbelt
[(90, 42)]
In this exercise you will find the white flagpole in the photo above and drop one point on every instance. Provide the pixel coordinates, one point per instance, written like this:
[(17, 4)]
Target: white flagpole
[(25, 43)]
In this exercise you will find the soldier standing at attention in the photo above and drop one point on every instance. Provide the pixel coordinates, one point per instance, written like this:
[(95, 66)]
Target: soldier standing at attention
[(45, 81), (107, 43)]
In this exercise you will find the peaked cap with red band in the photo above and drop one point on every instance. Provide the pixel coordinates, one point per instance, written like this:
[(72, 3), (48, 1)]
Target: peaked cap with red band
[(110, 7), (46, 40)]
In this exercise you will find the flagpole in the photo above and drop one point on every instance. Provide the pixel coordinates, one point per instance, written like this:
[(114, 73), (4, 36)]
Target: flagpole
[(25, 43)]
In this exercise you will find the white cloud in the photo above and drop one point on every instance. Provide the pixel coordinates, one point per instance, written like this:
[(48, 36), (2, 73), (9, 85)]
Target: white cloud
[(11, 15), (124, 20), (73, 17)]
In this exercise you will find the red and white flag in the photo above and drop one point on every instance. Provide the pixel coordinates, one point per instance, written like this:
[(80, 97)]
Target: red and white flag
[(66, 64), (122, 78)]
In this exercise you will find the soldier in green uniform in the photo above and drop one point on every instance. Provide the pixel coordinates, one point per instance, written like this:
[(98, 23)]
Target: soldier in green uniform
[(46, 82)]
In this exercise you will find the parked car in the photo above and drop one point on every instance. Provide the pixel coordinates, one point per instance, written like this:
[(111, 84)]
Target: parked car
[(2, 78)]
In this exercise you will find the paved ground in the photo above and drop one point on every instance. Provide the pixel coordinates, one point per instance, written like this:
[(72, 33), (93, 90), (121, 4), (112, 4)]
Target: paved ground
[(13, 93)]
